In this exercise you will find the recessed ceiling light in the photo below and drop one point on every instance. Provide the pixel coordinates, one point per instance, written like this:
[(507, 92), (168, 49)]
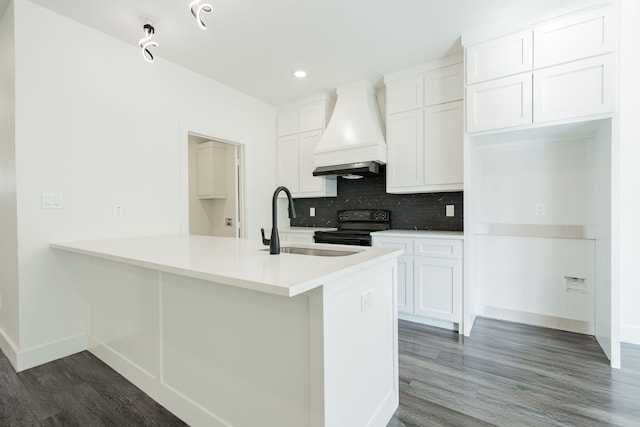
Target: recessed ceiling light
[(301, 74)]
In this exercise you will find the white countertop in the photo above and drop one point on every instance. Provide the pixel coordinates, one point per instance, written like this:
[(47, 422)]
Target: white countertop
[(420, 233), (236, 262)]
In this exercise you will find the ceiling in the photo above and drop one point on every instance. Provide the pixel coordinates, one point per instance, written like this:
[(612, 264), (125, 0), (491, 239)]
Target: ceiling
[(254, 45)]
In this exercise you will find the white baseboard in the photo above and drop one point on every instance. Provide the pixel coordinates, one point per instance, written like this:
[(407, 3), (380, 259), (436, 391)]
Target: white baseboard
[(535, 319), (630, 334), (429, 321), (38, 355), (9, 349)]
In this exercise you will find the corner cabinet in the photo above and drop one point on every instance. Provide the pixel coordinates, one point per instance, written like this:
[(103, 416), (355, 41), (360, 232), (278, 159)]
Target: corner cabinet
[(429, 278), (561, 69), (300, 127), (425, 128)]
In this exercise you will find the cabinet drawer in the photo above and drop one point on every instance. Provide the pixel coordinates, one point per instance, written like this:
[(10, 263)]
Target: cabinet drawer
[(500, 103), (405, 94), (394, 242), (576, 89), (504, 56), (439, 248), (443, 85), (575, 37)]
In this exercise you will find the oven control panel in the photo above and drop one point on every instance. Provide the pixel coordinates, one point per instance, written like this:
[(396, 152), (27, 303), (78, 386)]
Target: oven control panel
[(363, 215)]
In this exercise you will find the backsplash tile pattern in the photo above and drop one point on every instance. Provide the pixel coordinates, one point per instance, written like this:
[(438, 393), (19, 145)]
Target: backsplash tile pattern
[(408, 211)]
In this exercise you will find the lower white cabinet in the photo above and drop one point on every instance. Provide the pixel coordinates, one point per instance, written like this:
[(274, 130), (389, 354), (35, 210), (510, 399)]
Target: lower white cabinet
[(296, 237), (429, 278)]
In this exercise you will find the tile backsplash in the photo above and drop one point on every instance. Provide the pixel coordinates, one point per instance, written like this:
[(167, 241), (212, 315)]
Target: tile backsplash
[(408, 211)]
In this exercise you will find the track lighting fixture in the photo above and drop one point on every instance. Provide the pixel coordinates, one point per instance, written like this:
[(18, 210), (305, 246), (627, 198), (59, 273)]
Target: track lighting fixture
[(145, 42), (197, 7)]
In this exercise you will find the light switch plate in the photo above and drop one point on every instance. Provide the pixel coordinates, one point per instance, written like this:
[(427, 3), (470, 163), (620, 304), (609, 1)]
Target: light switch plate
[(117, 212)]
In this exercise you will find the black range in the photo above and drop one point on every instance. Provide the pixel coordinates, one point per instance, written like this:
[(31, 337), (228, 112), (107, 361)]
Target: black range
[(355, 227)]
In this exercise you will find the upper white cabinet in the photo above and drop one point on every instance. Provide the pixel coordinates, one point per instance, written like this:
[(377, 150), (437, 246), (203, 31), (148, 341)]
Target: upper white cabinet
[(575, 37), (575, 89), (405, 94), (561, 69), (425, 128), (500, 103), (504, 56), (300, 126), (211, 166)]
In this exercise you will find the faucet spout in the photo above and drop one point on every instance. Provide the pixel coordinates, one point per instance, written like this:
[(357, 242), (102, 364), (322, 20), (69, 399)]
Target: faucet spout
[(274, 242)]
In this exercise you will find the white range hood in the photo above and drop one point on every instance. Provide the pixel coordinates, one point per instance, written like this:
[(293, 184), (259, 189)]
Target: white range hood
[(353, 142)]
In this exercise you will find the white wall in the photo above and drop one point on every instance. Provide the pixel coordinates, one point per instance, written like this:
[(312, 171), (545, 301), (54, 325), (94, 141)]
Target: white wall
[(98, 125), (8, 219), (629, 171)]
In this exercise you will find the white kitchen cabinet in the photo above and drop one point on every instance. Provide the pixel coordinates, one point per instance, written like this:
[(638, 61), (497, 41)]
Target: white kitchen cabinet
[(500, 57), (288, 122), (425, 130), (405, 150), (438, 279), (443, 137), (405, 94), (300, 127), (500, 103), (575, 89), (211, 166), (429, 278), (569, 72), (288, 162), (444, 85), (425, 149), (575, 37), (296, 237)]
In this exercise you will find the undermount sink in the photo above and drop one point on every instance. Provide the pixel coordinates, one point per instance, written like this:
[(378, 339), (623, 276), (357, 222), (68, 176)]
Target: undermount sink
[(314, 251)]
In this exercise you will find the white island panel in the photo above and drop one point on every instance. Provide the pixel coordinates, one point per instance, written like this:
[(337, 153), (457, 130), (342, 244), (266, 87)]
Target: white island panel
[(219, 353)]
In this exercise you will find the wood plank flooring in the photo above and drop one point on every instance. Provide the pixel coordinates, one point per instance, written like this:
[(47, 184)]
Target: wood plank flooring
[(506, 374)]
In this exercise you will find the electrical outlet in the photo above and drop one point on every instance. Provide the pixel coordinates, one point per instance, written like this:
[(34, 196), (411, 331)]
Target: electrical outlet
[(450, 210), (228, 222), (51, 201), (312, 211), (541, 209), (117, 212)]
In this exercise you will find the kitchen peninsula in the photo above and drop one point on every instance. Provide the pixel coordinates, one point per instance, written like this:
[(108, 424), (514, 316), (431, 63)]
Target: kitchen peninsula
[(224, 334)]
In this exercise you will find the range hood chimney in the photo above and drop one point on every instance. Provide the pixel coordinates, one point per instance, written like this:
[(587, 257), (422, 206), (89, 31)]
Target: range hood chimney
[(353, 144)]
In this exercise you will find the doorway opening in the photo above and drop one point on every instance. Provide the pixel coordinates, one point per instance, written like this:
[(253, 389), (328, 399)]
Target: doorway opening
[(215, 187)]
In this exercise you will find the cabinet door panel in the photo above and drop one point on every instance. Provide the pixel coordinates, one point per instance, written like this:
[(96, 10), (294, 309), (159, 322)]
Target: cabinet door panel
[(438, 288), (575, 37), (500, 103), (504, 56), (405, 135), (405, 284), (577, 89), (394, 242), (444, 85), (405, 94), (307, 182), (311, 117), (443, 138), (288, 122), (211, 165), (288, 162)]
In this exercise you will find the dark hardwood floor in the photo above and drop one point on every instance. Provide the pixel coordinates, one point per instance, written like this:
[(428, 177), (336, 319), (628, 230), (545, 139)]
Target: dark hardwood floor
[(506, 374)]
